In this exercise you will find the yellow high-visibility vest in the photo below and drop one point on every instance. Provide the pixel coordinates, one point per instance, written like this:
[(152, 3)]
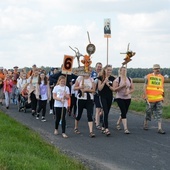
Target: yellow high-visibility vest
[(155, 87)]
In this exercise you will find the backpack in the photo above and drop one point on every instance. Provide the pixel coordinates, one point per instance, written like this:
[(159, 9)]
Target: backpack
[(120, 80)]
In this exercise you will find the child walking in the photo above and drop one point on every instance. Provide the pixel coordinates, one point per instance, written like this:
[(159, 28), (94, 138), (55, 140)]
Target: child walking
[(43, 93), (61, 95)]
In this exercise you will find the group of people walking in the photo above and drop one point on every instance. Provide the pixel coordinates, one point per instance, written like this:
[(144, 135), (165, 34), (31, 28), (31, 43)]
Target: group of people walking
[(93, 90)]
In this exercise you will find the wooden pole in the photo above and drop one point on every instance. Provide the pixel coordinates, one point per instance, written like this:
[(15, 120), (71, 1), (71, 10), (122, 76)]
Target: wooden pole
[(107, 49), (63, 102)]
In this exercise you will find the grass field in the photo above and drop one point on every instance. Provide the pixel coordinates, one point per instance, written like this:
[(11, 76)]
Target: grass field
[(138, 93)]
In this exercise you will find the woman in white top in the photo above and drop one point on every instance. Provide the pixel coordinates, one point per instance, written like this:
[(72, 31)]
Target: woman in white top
[(61, 95), (86, 88)]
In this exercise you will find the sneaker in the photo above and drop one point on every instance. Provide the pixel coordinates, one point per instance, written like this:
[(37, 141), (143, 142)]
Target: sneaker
[(33, 113), (51, 111), (37, 117), (43, 119), (160, 131)]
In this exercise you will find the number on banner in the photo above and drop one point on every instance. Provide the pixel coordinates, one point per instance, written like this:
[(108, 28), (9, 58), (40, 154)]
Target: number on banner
[(67, 64)]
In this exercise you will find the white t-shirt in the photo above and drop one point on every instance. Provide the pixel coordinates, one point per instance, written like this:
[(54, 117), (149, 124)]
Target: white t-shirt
[(88, 84), (20, 83), (59, 90)]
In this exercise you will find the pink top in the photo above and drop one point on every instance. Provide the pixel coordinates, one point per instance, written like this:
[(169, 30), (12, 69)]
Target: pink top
[(8, 85), (121, 93)]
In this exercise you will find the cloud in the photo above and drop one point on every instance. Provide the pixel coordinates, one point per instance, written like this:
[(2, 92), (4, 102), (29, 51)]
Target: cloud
[(66, 31), (41, 31), (15, 19)]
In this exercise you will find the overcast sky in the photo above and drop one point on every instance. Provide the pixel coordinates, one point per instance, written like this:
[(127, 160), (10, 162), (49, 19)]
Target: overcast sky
[(41, 31)]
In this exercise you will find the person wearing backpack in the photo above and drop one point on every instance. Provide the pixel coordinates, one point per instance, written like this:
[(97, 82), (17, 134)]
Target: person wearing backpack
[(124, 87), (86, 88)]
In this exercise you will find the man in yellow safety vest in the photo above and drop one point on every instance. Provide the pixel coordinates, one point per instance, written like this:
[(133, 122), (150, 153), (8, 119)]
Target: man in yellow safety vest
[(154, 96)]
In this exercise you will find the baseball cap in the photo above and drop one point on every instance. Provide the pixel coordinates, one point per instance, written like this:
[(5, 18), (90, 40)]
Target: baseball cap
[(156, 66)]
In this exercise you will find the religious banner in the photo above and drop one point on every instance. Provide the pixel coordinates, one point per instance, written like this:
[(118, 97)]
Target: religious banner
[(107, 28)]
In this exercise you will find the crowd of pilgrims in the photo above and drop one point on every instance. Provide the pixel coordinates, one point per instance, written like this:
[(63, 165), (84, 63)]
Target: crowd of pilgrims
[(69, 94)]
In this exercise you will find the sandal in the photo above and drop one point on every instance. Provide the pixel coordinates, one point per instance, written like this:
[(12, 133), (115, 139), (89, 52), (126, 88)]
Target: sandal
[(126, 131), (76, 131), (107, 133), (118, 127), (92, 135), (103, 130), (98, 127), (64, 135)]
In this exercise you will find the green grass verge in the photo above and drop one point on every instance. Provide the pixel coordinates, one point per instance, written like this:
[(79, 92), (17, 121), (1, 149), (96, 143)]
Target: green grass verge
[(23, 149), (140, 106)]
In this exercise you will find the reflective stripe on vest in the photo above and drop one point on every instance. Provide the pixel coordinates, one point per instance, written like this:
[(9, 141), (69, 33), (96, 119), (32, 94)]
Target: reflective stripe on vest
[(154, 88)]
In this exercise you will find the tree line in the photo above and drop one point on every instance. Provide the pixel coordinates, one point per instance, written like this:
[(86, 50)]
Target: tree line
[(131, 72), (141, 72)]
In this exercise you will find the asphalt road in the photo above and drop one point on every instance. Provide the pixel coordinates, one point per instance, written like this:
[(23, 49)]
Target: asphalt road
[(140, 150)]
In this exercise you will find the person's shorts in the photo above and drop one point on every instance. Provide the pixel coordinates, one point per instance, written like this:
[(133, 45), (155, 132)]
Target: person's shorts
[(154, 109)]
